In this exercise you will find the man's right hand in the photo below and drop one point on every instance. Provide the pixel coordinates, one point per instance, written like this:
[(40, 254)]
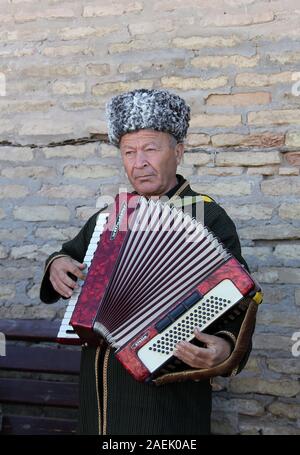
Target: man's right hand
[(59, 277)]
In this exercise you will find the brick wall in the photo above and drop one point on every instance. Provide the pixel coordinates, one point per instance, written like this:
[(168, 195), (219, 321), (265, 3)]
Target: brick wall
[(237, 63)]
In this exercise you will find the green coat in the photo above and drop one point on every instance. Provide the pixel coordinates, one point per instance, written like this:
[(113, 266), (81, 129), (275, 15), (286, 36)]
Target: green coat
[(111, 401)]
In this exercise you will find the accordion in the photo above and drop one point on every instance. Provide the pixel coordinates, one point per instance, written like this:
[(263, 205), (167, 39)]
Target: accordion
[(155, 274)]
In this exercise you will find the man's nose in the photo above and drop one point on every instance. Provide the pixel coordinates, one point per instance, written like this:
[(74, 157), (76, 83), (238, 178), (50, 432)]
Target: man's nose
[(140, 159)]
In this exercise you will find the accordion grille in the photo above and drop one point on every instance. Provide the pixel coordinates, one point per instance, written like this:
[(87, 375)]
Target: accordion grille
[(166, 253)]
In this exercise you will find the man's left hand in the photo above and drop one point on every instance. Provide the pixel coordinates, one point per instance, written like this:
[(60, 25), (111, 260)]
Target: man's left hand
[(216, 350)]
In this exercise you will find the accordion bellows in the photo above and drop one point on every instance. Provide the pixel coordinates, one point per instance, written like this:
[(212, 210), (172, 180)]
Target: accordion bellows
[(156, 274)]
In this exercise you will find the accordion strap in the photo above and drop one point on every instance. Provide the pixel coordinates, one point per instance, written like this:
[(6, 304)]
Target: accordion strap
[(229, 365)]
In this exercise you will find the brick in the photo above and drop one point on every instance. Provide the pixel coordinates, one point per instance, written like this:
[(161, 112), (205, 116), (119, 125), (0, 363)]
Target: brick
[(250, 211), (222, 61), (19, 311), (32, 251), (7, 292), (265, 80), (16, 274), (39, 13), (260, 140), (25, 52), (71, 151), (187, 171), (231, 20), (281, 186), (279, 275), (84, 213), (265, 427), (224, 188), (284, 388), (293, 158), (220, 171), (68, 88), (34, 292), (97, 69), (289, 211), (239, 99), (2, 214), (247, 158), (114, 87), (145, 66), (242, 406), (289, 410), (256, 254), (16, 154), (292, 139), (263, 170), (64, 51), (196, 158), (13, 191), (195, 139), (275, 294), (27, 106), (133, 45), (107, 151), (13, 234), (42, 213), (52, 233), (48, 71), (65, 192), (290, 251), (112, 9), (288, 170), (271, 232), (274, 117), (145, 27), (7, 126), (271, 342), (285, 59), (46, 127), (223, 424), (277, 319), (215, 120), (200, 42), (92, 171), (33, 172), (193, 83), (3, 252), (283, 365), (73, 33)]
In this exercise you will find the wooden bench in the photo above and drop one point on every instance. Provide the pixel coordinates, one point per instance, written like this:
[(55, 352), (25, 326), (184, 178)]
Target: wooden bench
[(38, 380)]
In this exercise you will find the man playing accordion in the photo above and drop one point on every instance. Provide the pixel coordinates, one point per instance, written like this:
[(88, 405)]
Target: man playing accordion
[(149, 127)]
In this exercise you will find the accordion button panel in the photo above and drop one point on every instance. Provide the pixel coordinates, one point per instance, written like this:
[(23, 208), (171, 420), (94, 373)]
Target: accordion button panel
[(66, 331), (203, 313)]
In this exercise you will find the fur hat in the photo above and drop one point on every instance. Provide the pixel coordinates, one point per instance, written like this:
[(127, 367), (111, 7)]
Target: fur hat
[(158, 110)]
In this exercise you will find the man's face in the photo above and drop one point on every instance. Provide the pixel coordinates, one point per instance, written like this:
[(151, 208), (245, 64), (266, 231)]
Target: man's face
[(150, 159)]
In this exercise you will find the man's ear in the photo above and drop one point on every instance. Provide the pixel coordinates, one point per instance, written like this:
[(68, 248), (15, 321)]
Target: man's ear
[(179, 151)]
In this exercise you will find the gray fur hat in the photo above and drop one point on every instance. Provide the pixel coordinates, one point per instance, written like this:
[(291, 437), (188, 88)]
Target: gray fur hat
[(158, 110)]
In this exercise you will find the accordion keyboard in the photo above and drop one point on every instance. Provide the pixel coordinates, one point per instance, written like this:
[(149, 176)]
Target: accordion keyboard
[(202, 314), (66, 332)]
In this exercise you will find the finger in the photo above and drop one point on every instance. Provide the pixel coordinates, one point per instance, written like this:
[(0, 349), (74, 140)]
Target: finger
[(204, 337), (80, 265), (190, 358), (185, 348), (62, 289), (77, 272), (64, 279)]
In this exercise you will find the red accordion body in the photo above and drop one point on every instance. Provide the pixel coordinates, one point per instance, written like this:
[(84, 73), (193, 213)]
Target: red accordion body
[(145, 291)]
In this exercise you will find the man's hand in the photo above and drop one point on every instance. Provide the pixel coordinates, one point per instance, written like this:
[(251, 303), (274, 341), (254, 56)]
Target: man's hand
[(59, 277), (216, 350)]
